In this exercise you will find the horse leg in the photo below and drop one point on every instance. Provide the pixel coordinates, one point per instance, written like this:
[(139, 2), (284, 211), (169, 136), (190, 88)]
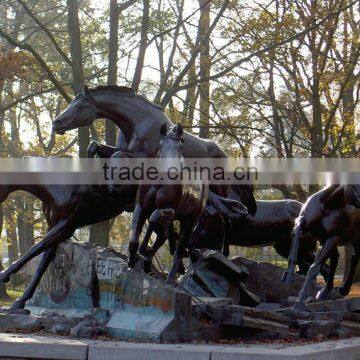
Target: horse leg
[(225, 240), (46, 259), (306, 257), (60, 232), (195, 254), (226, 247), (314, 269), (154, 220), (137, 224), (348, 280), (289, 274), (150, 253), (185, 234), (160, 219), (172, 238), (101, 150), (334, 259)]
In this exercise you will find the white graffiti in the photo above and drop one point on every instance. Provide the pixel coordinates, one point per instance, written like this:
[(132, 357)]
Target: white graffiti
[(108, 268)]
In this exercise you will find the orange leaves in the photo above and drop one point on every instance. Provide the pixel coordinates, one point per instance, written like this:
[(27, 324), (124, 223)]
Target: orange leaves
[(14, 64)]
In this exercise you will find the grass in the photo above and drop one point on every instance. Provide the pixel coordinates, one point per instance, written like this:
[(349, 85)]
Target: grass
[(14, 293)]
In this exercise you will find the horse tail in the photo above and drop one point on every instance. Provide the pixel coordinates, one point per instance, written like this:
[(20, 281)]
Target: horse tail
[(289, 275)]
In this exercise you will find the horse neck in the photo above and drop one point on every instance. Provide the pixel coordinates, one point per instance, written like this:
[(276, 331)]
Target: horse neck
[(120, 110), (39, 191)]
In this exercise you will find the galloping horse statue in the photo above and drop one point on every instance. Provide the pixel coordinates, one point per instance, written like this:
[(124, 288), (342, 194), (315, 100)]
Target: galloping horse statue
[(66, 208), (272, 225), (328, 216), (139, 121)]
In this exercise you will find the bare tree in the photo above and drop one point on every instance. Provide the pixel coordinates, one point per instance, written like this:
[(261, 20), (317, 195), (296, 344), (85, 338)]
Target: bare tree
[(142, 46), (205, 64), (77, 67)]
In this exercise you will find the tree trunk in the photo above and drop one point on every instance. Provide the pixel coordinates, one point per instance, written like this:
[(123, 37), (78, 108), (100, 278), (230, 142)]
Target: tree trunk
[(142, 46), (2, 117), (13, 248), (3, 294), (190, 101), (25, 223), (204, 87), (110, 127), (348, 102), (77, 67), (99, 233), (275, 112)]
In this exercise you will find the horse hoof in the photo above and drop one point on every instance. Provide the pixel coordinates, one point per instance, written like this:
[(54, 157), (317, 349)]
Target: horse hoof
[(338, 293), (299, 305), (342, 291), (18, 307), (323, 294), (288, 278), (17, 311), (132, 261), (4, 277), (181, 270)]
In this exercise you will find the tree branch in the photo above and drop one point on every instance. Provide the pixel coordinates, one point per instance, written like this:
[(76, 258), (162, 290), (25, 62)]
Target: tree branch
[(47, 32), (40, 60), (268, 48)]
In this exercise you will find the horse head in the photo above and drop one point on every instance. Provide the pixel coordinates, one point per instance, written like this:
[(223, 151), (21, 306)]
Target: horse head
[(80, 112), (171, 142)]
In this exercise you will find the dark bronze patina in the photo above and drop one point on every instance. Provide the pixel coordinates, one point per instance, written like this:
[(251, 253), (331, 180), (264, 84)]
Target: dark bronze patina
[(139, 121), (327, 216)]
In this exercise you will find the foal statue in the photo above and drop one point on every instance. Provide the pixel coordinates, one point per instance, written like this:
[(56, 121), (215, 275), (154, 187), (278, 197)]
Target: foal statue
[(162, 204)]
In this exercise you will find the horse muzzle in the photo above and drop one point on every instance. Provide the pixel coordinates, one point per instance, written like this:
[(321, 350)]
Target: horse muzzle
[(58, 128)]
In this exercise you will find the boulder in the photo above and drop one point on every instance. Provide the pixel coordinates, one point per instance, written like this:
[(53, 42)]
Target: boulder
[(310, 329), (214, 275), (264, 280)]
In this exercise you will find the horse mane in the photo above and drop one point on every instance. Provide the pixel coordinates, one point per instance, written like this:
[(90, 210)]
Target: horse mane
[(125, 91)]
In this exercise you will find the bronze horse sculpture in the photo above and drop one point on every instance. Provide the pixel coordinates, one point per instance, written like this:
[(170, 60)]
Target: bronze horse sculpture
[(139, 121), (181, 200), (327, 216), (162, 204), (66, 208), (272, 225)]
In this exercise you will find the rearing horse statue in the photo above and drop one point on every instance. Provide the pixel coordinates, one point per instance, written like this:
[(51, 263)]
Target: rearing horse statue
[(140, 121)]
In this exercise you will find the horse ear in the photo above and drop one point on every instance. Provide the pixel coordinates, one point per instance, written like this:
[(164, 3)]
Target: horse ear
[(163, 129), (87, 93), (179, 130)]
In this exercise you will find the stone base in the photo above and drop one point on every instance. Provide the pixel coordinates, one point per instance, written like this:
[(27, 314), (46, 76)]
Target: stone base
[(133, 305), (88, 292)]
